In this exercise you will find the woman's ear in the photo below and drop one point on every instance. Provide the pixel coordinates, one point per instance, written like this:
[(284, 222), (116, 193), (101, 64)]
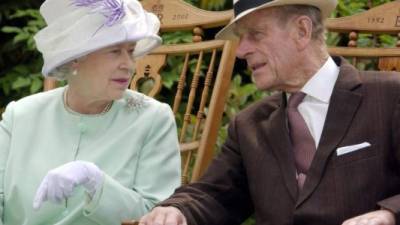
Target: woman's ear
[(74, 67), (303, 31), (75, 63)]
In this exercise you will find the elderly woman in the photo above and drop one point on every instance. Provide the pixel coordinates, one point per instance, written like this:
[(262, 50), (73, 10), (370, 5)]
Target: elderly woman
[(91, 152)]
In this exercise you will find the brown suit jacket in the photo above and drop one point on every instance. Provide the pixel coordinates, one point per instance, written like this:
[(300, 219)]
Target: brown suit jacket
[(255, 170)]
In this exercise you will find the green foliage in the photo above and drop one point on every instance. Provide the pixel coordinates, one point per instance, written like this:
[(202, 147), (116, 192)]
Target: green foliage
[(177, 37), (25, 34), (216, 5), (240, 95), (212, 4), (21, 63), (351, 7)]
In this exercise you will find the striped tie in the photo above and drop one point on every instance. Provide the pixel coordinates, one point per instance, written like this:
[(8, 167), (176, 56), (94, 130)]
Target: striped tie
[(302, 141)]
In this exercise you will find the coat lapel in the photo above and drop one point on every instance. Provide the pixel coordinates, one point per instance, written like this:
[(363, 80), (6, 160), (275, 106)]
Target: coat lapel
[(342, 108), (278, 138)]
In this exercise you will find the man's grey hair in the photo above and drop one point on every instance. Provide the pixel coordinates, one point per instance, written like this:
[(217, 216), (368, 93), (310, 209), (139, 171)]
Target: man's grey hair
[(286, 12)]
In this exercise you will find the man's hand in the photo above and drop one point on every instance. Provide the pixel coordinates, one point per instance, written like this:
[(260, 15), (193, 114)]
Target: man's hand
[(379, 217), (163, 216)]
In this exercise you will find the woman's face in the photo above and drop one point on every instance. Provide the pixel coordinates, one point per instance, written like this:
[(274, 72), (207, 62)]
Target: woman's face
[(105, 74)]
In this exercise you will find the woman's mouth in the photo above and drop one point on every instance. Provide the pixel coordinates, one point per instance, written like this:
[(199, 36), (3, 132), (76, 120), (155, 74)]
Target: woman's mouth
[(121, 81)]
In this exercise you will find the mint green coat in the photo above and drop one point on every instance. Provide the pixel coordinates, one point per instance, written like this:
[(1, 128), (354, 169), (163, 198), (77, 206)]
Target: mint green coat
[(135, 145)]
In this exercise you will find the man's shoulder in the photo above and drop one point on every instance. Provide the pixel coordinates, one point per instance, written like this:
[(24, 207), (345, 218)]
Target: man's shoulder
[(262, 108), (384, 80), (369, 75)]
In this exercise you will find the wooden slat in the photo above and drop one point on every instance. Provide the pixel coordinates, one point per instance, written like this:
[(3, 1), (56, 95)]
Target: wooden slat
[(49, 83), (205, 152), (190, 146), (381, 19), (181, 85), (179, 15), (132, 222), (149, 67), (205, 46), (189, 106), (364, 52)]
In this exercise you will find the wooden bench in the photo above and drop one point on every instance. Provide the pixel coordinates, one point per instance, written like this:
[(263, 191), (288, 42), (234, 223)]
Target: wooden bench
[(371, 24)]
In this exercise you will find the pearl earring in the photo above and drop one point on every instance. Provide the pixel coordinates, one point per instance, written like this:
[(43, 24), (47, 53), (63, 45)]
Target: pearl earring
[(75, 72)]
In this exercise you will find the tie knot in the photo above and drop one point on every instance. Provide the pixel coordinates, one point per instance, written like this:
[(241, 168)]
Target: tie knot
[(295, 99)]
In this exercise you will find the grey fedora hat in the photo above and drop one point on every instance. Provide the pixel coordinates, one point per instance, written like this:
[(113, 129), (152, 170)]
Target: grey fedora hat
[(244, 7)]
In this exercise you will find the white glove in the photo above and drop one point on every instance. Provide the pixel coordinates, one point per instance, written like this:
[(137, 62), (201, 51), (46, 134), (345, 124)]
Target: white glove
[(60, 182)]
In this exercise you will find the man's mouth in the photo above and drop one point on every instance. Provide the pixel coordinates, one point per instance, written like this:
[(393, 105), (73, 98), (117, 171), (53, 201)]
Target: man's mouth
[(257, 66)]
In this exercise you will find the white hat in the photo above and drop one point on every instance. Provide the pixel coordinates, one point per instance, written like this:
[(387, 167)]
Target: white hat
[(78, 27), (242, 8)]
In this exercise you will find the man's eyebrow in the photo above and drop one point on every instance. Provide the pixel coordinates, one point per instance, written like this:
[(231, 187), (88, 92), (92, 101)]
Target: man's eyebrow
[(237, 30)]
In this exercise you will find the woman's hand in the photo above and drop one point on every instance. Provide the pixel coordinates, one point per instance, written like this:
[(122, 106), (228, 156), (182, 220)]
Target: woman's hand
[(60, 182)]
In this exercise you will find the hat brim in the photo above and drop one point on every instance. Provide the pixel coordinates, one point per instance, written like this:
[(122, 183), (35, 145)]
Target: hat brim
[(326, 7)]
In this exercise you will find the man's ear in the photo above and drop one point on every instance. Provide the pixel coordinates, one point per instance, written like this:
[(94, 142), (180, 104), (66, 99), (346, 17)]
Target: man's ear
[(303, 31)]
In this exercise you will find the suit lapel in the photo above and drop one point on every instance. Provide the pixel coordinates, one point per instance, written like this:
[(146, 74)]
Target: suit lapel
[(342, 108), (278, 138)]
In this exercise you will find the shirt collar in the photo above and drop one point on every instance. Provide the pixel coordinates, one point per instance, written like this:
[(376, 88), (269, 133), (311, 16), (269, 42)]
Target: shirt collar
[(321, 84)]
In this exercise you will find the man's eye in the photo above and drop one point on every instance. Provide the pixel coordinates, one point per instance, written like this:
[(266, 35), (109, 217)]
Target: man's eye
[(256, 35)]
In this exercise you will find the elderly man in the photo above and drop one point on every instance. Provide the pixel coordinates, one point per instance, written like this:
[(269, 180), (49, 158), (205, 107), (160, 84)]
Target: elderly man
[(310, 154)]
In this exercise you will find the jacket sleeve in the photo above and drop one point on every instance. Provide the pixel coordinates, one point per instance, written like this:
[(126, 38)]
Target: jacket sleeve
[(393, 203), (221, 196), (5, 139), (157, 175)]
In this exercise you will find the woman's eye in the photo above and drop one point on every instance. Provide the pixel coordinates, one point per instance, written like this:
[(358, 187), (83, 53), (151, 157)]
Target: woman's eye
[(115, 51)]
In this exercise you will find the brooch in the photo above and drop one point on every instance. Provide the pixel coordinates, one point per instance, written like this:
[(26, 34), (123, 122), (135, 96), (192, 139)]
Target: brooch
[(134, 103)]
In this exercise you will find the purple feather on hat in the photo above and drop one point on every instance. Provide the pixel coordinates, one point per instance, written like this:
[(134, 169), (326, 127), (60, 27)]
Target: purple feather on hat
[(86, 3), (113, 10)]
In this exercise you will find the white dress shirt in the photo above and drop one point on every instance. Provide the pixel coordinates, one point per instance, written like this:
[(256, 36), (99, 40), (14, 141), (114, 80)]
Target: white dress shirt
[(318, 90)]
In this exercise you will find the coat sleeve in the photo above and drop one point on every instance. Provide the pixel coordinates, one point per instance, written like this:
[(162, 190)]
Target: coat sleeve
[(157, 175), (6, 125), (221, 196)]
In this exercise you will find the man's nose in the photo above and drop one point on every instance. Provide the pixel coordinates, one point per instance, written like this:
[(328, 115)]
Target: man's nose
[(244, 48)]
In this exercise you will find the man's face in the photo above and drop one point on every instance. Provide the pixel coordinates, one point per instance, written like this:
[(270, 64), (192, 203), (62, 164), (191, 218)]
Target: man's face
[(269, 49)]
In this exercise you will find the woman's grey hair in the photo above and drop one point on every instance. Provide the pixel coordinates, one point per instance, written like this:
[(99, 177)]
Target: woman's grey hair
[(286, 12), (62, 72)]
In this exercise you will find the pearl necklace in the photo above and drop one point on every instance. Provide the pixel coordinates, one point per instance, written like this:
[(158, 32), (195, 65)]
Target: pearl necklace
[(104, 111)]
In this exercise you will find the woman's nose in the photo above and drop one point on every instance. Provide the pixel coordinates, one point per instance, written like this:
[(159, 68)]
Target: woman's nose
[(127, 59)]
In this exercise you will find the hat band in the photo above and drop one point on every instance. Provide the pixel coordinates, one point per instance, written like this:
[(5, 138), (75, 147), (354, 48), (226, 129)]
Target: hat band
[(244, 5)]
